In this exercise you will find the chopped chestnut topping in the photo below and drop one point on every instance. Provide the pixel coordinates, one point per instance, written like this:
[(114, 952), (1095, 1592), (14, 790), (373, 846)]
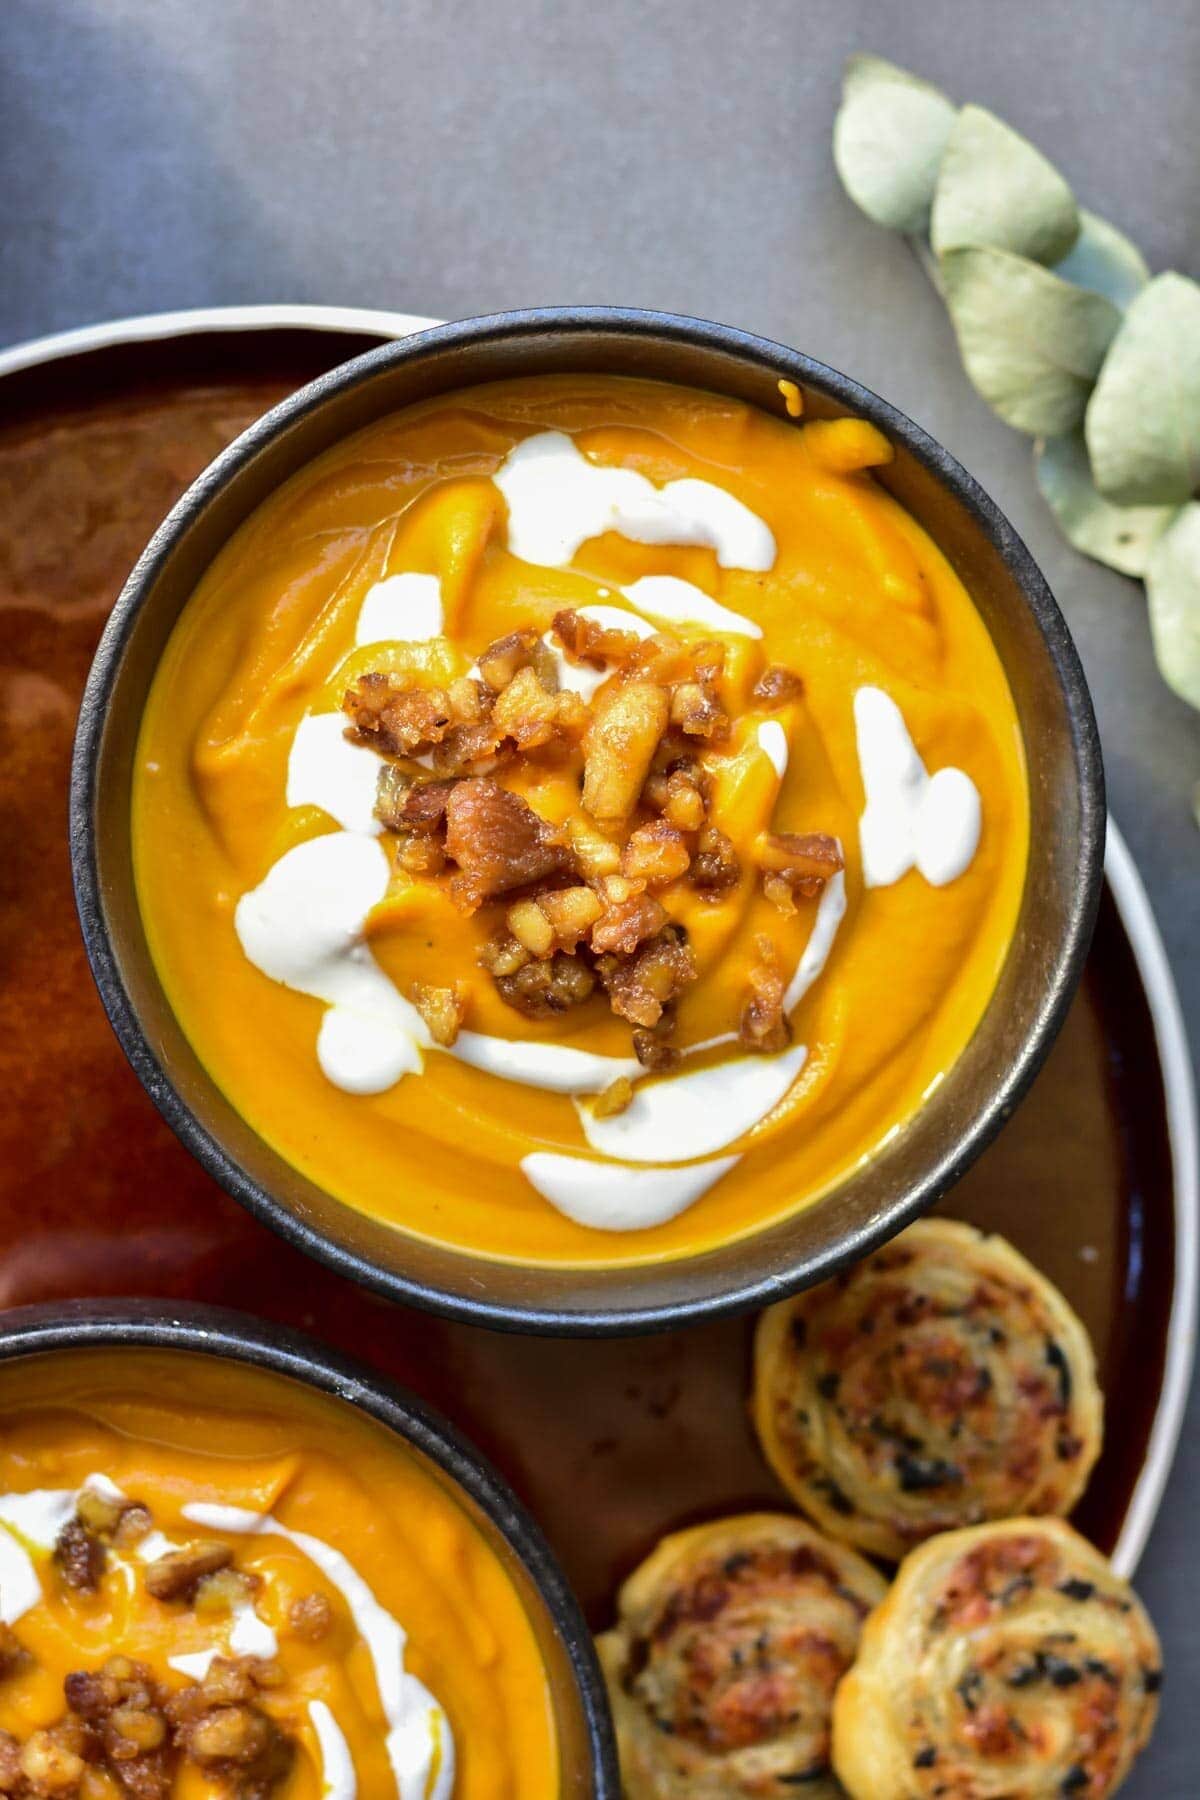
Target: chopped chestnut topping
[(391, 796), (231, 1734), (310, 1617), (98, 1512), (586, 641), (13, 1654), (178, 1574), (80, 1557), (595, 854), (467, 726), (626, 923), (120, 1712), (556, 920), (533, 716), (811, 855), (715, 866), (402, 804), (777, 685), (498, 841), (796, 864), (531, 928), (132, 1526), (230, 1681), (122, 1736), (49, 1764), (764, 1026), (679, 795), (572, 911), (628, 720), (401, 718), (540, 989), (615, 1098), (652, 1051), (223, 1590), (661, 659), (503, 956), (224, 1733), (656, 854), (10, 1763), (100, 1519), (696, 711), (421, 855), (470, 749), (641, 988), (443, 1010), (582, 900), (425, 805), (388, 712), (504, 660)]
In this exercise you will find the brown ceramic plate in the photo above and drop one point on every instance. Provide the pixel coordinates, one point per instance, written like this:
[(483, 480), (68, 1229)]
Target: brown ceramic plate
[(610, 1442)]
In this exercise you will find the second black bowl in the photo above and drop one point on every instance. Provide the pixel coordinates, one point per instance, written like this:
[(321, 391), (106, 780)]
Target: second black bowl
[(575, 1687)]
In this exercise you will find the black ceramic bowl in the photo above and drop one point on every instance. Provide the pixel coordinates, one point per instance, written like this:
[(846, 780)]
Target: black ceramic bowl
[(580, 1706), (980, 1091)]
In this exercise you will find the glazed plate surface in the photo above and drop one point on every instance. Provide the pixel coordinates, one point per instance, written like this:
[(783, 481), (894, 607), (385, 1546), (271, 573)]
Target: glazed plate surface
[(611, 1443)]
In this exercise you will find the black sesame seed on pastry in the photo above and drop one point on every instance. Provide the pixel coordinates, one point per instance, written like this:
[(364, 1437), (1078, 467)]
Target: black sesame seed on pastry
[(1008, 1662), (730, 1641), (941, 1382)]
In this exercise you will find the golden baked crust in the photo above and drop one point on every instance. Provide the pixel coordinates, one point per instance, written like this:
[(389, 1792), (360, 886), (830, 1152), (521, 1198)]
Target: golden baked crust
[(939, 1383), (731, 1639), (1008, 1662)]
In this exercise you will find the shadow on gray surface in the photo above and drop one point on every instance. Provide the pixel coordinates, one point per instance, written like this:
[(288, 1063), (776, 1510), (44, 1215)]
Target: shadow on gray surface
[(117, 197)]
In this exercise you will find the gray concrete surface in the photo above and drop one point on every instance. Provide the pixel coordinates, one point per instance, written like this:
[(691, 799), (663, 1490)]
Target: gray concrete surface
[(456, 156)]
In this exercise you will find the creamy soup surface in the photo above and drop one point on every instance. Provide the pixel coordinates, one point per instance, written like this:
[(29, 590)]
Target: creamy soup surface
[(580, 819), (214, 1582)]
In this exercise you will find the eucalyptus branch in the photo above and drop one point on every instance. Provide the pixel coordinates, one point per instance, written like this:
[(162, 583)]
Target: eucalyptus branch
[(1060, 326)]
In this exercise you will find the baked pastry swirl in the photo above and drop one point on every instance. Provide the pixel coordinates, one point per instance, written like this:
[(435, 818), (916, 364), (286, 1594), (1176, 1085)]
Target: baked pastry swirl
[(941, 1382), (1008, 1662), (730, 1642)]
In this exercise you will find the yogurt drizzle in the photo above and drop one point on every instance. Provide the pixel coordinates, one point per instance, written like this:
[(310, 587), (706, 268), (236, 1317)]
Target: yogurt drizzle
[(912, 820), (327, 770), (772, 741), (699, 1112), (37, 1517), (682, 603), (341, 1782), (404, 609), (608, 1197), (557, 500)]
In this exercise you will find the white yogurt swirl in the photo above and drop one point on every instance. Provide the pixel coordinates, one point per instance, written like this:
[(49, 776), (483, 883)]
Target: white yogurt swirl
[(304, 924), (557, 500), (912, 820)]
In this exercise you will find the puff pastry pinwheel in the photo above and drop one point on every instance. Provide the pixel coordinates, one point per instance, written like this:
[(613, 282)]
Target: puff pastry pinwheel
[(731, 1639), (1008, 1662), (939, 1383)]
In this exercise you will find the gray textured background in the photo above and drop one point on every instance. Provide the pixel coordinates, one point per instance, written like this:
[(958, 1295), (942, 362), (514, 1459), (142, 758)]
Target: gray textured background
[(456, 156)]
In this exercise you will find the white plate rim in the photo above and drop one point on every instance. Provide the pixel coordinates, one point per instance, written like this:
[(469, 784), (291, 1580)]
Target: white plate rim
[(1125, 884)]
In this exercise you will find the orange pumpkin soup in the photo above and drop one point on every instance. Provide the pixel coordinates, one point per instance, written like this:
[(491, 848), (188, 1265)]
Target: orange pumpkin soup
[(579, 819), (216, 1583)]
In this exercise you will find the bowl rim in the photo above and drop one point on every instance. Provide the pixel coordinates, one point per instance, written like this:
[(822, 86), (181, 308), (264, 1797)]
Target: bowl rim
[(198, 1328), (1061, 977)]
